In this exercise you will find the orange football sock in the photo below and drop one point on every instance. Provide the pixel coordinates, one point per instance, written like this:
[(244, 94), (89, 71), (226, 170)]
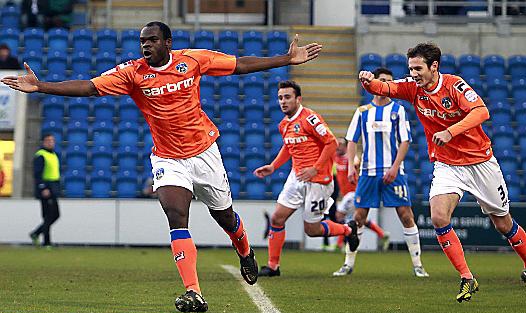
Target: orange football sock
[(239, 237), (376, 228), (276, 239), (185, 257), (452, 247), (330, 228), (341, 240), (517, 239)]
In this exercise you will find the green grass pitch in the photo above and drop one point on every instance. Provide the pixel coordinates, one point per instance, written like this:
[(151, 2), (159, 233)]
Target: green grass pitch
[(136, 280)]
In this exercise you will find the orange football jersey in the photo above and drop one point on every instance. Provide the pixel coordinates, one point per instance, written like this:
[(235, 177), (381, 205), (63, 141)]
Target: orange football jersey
[(305, 135), (447, 104), (342, 163), (168, 97)]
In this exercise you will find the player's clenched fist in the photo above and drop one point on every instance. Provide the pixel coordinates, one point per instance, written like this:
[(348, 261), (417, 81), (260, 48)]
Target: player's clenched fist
[(365, 77)]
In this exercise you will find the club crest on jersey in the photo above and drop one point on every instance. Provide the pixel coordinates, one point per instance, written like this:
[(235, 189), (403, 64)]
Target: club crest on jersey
[(446, 102), (394, 115), (159, 173), (182, 67), (296, 128)]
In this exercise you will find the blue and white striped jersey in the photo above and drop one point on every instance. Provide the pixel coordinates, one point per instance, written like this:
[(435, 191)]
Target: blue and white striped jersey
[(382, 129)]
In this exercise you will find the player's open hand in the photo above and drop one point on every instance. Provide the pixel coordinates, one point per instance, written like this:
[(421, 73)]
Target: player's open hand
[(264, 171), (25, 83), (306, 174), (390, 175), (351, 175), (299, 55), (441, 138), (365, 77)]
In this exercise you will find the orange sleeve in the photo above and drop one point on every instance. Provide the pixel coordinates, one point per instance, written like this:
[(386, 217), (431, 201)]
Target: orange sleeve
[(282, 158), (319, 129), (474, 118), (213, 63), (464, 95), (404, 89), (116, 81)]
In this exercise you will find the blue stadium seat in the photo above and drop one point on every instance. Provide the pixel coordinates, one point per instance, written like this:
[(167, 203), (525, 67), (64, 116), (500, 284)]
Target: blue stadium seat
[(101, 157), (76, 156), (476, 84), (10, 36), (54, 77), (520, 112), (127, 184), (231, 157), (53, 108), (57, 62), (207, 87), (469, 66), (58, 39), (148, 141), (229, 110), (10, 16), (81, 62), (277, 43), (370, 61), (253, 86), (494, 67), (273, 83), (255, 188), (253, 43), (209, 107), (448, 64), (101, 184), (229, 87), (276, 140), (497, 90), (278, 179), (34, 59), (255, 134), (75, 183), (518, 90), (102, 131), (129, 56), (104, 108), (508, 159), (282, 71), (34, 39), (128, 132), (426, 167), (82, 40), (181, 39), (54, 127), (254, 157), (230, 134), (366, 99), (107, 40), (128, 157), (130, 41), (517, 66), (79, 108), (204, 39), (229, 42), (128, 110), (234, 181), (254, 110), (397, 63), (77, 132), (275, 113), (503, 136), (79, 76), (500, 112), (105, 60), (514, 187)]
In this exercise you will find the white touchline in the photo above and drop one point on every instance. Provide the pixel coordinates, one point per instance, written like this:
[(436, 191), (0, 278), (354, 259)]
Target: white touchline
[(255, 292)]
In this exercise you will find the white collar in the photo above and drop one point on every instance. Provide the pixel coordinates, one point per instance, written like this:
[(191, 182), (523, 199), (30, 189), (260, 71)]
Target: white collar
[(162, 68), (297, 114), (437, 88)]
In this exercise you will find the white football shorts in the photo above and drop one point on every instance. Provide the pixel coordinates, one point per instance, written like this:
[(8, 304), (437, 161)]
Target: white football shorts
[(484, 181), (203, 174), (346, 205), (313, 198)]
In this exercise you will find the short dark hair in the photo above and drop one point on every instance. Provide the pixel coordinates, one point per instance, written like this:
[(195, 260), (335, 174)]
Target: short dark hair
[(165, 29), (4, 46), (290, 84), (45, 135), (382, 70), (429, 51)]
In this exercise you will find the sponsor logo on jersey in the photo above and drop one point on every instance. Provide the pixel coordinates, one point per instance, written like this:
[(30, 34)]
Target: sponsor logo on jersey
[(148, 76), (159, 173), (321, 130), (182, 67), (443, 115), (297, 128), (294, 140), (168, 88), (179, 256), (446, 102), (471, 95), (423, 98)]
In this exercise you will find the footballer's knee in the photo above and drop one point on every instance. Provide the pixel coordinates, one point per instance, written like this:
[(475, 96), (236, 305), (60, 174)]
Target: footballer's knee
[(440, 219), (225, 218), (277, 220), (312, 230), (360, 216)]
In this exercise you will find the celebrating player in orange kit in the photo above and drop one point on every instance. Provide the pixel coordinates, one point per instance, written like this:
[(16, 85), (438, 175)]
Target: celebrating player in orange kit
[(452, 113), (310, 143), (185, 158)]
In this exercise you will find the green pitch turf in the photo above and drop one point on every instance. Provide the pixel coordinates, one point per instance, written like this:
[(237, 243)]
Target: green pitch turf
[(120, 280)]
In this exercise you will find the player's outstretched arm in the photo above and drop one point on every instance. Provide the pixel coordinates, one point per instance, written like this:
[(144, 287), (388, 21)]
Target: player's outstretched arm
[(296, 55), (29, 83)]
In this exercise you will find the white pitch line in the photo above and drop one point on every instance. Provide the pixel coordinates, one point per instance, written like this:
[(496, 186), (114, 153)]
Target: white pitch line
[(255, 292)]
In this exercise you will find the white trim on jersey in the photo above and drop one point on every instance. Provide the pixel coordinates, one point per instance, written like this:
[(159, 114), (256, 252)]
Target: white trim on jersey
[(439, 85)]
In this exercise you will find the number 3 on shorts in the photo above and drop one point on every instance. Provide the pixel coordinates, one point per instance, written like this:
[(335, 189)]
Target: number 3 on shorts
[(317, 205)]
